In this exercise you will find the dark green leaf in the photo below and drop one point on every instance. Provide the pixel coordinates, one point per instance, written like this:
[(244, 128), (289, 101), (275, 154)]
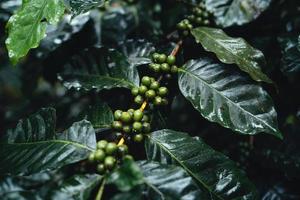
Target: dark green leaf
[(224, 96), (32, 150), (100, 115), (28, 26), (82, 6), (78, 187), (169, 182), (117, 23), (210, 169), (99, 68), (127, 176), (138, 52), (232, 51), (236, 12), (290, 56)]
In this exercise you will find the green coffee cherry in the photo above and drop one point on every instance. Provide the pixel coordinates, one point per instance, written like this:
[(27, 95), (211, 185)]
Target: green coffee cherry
[(206, 22), (174, 69), (138, 138), (101, 169), (146, 80), (122, 149), (145, 118), (101, 144), (135, 91), (91, 157), (126, 129), (162, 58), (117, 114), (142, 89), (109, 162), (154, 85), (126, 117), (130, 111), (181, 26), (117, 125), (150, 94), (99, 155), (138, 115), (111, 148), (128, 157), (155, 57), (157, 101), (156, 68), (162, 91), (137, 126), (138, 100), (146, 127), (165, 67), (165, 101), (171, 59)]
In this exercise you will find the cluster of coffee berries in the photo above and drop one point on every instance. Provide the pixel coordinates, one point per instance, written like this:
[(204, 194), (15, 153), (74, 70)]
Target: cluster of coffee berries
[(161, 63), (199, 17), (133, 124), (108, 155), (151, 91)]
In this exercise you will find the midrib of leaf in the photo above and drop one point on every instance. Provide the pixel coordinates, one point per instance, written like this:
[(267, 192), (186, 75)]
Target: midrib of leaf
[(53, 141), (234, 55), (196, 77), (185, 168), (38, 19), (155, 189)]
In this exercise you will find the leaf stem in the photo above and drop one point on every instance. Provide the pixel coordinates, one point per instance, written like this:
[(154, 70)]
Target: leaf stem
[(101, 190), (176, 48)]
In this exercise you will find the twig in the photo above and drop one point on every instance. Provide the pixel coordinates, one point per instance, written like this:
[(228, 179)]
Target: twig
[(101, 190)]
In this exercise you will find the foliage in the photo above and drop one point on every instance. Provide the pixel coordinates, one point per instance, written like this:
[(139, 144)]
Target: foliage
[(139, 99)]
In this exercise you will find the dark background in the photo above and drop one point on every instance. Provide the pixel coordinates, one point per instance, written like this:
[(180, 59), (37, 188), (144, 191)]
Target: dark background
[(273, 165)]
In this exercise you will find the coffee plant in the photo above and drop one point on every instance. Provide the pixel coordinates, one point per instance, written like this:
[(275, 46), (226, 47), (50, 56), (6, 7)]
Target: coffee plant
[(140, 99)]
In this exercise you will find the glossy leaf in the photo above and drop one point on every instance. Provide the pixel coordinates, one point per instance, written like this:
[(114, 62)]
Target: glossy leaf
[(117, 23), (27, 27), (100, 115), (224, 96), (236, 12), (138, 52), (99, 68), (78, 187), (290, 56), (232, 51), (127, 176), (31, 150), (210, 169), (169, 182), (82, 6)]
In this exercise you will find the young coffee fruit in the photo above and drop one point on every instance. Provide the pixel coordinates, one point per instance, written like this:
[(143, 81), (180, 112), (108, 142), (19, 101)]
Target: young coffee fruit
[(117, 125), (138, 138), (102, 144), (111, 148), (138, 115), (109, 162), (126, 117), (99, 155), (146, 80), (117, 114)]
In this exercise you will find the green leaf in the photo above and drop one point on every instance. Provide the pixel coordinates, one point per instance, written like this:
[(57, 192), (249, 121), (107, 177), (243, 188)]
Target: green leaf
[(82, 6), (210, 169), (169, 182), (224, 96), (138, 52), (232, 51), (27, 27), (33, 151), (78, 187), (127, 176), (236, 12), (100, 115), (99, 68), (290, 55)]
